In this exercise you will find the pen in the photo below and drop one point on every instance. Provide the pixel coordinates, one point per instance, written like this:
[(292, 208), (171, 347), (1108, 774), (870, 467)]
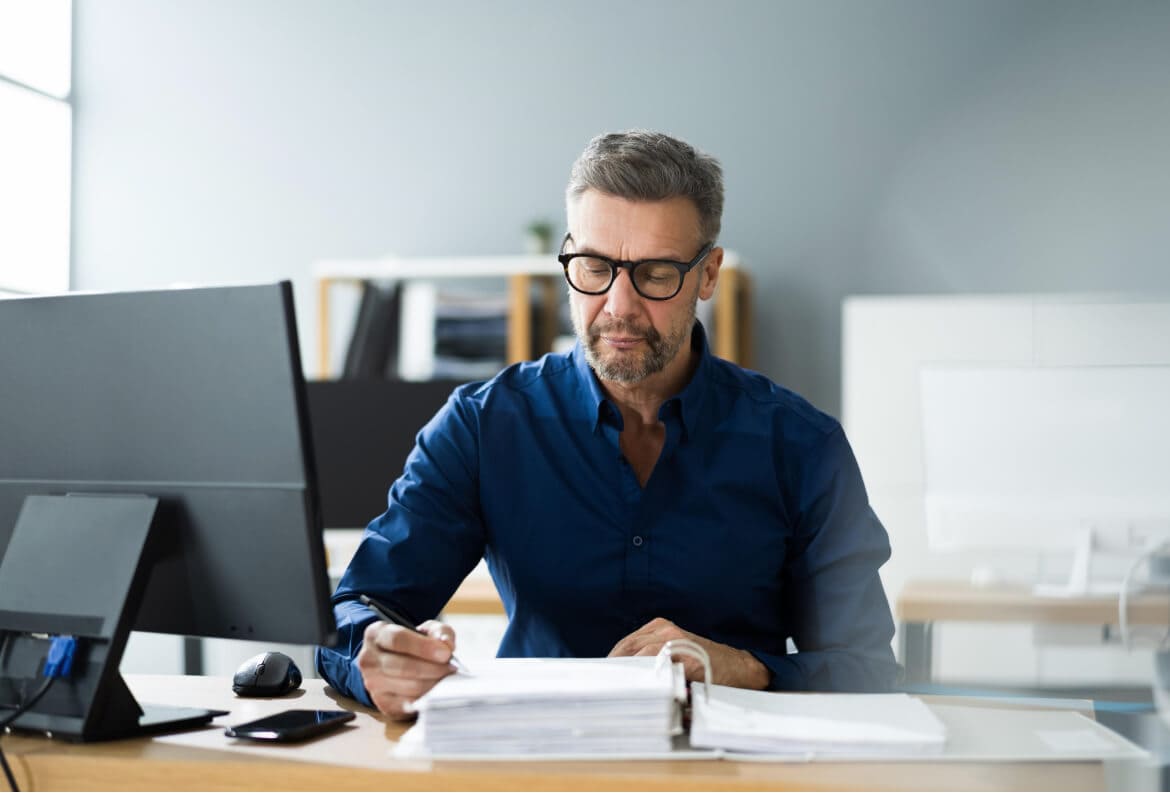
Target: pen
[(390, 615)]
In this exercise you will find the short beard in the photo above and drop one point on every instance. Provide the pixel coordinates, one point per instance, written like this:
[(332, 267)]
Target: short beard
[(630, 369)]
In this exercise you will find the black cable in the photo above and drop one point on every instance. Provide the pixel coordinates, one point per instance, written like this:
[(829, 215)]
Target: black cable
[(40, 692), (24, 706), (15, 788), (4, 760), (57, 664)]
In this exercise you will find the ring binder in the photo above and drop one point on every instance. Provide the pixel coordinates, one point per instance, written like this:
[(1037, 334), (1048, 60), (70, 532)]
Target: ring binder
[(694, 650)]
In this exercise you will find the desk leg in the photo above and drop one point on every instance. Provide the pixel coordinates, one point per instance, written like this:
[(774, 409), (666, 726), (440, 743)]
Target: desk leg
[(917, 647)]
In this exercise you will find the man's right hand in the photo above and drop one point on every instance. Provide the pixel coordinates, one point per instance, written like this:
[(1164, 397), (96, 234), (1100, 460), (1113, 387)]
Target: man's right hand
[(398, 665)]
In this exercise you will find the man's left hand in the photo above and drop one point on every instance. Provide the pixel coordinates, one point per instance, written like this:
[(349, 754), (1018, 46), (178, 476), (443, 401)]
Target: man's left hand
[(729, 666)]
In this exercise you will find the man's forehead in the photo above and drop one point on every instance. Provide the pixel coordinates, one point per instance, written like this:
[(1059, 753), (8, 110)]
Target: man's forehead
[(596, 219), (593, 199)]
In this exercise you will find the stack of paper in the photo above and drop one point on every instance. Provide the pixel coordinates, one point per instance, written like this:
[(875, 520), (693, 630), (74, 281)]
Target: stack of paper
[(541, 706), (861, 725)]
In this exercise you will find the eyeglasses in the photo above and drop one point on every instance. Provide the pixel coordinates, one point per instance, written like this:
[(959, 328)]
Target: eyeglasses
[(653, 279)]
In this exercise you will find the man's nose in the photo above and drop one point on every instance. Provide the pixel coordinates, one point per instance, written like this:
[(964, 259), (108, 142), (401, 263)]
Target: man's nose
[(622, 300)]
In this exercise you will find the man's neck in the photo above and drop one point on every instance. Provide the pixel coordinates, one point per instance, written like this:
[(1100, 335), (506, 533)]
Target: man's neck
[(639, 402)]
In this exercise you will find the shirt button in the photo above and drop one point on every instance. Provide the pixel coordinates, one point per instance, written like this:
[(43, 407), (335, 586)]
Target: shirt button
[(637, 542)]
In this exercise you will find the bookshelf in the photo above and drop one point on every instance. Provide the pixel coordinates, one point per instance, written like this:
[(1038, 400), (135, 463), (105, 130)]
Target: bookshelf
[(535, 287)]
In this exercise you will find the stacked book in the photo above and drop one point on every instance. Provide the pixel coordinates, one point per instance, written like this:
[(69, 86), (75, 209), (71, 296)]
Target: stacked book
[(551, 707), (417, 331), (373, 347), (448, 334)]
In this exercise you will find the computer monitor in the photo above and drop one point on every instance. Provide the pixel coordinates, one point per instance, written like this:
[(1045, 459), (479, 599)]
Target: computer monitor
[(1069, 460), (192, 400)]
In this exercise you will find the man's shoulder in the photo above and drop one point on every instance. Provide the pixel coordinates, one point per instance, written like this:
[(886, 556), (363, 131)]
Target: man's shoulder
[(746, 389), (518, 380)]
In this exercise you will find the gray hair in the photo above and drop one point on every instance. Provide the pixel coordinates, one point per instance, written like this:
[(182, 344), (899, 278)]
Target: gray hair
[(640, 165)]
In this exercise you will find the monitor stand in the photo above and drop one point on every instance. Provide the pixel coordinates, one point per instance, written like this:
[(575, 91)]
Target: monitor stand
[(77, 565)]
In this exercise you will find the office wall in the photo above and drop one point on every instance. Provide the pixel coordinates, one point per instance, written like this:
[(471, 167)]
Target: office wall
[(1050, 173), (242, 140)]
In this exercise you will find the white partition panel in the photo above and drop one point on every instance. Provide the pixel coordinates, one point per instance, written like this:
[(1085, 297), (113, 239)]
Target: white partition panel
[(887, 340)]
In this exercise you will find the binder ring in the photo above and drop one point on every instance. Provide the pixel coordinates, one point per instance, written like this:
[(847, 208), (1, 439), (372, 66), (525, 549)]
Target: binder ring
[(694, 650)]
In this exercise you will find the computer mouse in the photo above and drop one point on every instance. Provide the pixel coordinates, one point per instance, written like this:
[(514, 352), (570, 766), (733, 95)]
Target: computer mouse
[(268, 674)]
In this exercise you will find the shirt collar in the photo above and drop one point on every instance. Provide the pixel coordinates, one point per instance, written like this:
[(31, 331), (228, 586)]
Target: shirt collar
[(596, 404), (687, 404)]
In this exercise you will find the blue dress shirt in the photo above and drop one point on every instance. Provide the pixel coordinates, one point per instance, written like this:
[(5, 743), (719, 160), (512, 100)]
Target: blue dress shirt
[(753, 527)]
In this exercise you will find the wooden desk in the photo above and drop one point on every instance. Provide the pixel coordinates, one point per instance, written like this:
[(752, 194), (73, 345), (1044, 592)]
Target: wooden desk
[(476, 595), (358, 759), (921, 604)]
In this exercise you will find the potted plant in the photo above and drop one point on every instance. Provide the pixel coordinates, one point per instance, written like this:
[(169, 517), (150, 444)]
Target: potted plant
[(539, 237)]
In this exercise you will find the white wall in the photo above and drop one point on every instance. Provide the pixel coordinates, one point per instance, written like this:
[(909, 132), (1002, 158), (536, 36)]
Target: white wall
[(1048, 173), (221, 141), (885, 146)]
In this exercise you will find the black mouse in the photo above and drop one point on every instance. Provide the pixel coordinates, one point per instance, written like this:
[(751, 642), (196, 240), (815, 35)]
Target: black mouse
[(268, 674)]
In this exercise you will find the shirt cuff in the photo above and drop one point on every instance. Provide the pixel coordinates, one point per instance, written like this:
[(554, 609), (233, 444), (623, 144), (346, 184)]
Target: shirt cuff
[(343, 674), (784, 673), (357, 688)]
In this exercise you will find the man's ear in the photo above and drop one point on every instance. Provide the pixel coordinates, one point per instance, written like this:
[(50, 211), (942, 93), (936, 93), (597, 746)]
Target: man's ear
[(710, 274)]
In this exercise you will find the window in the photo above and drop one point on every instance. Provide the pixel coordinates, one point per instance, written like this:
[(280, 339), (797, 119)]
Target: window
[(36, 130)]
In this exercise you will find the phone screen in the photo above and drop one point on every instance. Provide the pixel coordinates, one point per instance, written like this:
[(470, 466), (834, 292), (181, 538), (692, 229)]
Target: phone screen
[(290, 725)]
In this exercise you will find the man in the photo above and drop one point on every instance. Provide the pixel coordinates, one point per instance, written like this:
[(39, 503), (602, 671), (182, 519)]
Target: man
[(634, 490)]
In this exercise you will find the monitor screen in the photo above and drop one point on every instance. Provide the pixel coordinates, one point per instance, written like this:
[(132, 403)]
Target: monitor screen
[(194, 397), (1047, 458)]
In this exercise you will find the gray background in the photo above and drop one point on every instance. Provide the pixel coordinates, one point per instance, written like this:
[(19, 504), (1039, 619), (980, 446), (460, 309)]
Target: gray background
[(874, 146)]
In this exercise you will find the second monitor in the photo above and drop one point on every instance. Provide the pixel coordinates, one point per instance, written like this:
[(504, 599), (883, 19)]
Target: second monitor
[(363, 431)]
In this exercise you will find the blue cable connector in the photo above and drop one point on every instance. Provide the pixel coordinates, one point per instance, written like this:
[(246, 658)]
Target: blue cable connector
[(60, 660)]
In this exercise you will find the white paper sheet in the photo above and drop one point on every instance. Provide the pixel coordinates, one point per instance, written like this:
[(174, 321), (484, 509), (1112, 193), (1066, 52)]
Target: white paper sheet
[(760, 721)]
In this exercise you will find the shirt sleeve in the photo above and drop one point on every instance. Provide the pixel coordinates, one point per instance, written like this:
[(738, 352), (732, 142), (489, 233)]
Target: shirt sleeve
[(840, 617), (414, 556)]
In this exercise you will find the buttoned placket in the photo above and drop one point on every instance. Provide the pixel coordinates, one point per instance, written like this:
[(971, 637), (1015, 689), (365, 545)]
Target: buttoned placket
[(641, 506)]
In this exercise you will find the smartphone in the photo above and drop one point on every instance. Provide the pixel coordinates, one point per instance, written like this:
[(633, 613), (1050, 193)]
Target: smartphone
[(290, 725)]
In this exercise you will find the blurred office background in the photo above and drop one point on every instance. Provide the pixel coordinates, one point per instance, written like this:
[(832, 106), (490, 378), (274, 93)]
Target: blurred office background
[(869, 146), (890, 146)]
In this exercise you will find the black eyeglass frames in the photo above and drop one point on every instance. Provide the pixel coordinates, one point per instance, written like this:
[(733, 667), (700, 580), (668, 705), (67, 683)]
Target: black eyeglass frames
[(653, 279)]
